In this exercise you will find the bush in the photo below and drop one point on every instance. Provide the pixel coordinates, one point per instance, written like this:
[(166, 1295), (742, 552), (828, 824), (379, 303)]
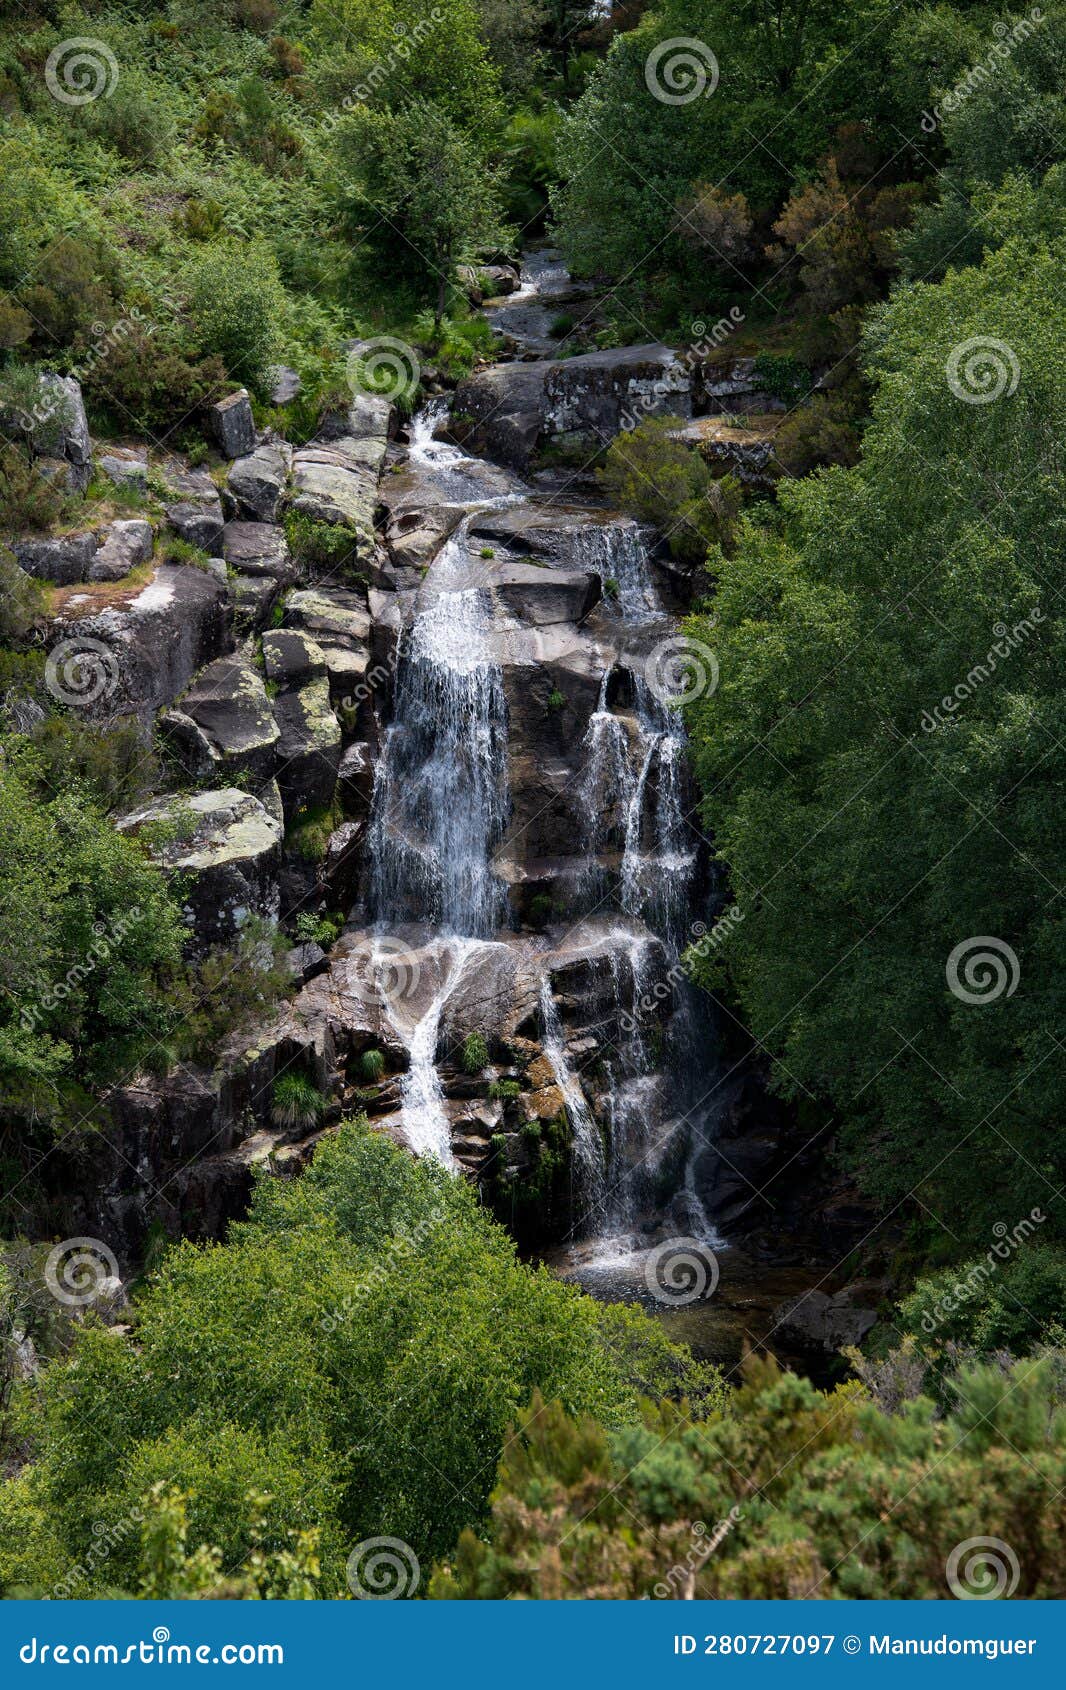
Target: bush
[(236, 300), (475, 1054), (769, 1498), (296, 1103), (372, 1065), (355, 1307)]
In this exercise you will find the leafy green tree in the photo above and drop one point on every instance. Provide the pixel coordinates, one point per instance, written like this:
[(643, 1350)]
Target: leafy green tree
[(88, 937), (356, 1351), (419, 190), (236, 301), (882, 757)]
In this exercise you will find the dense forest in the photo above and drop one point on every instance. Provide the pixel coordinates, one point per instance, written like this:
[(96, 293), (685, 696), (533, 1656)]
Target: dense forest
[(277, 353)]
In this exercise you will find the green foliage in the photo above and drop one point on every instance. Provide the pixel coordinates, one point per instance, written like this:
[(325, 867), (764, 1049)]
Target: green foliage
[(657, 478), (475, 1054), (21, 597), (372, 1065), (236, 301), (789, 1494), (371, 1337), (328, 546), (855, 742), (296, 1103), (998, 1301), (309, 928), (88, 937), (411, 181)]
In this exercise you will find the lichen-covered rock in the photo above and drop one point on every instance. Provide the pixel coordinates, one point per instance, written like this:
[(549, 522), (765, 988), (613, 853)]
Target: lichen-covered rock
[(337, 483), (126, 546), (61, 558), (229, 704), (148, 640), (338, 621), (258, 548), (226, 847), (125, 467), (252, 598), (256, 484), (309, 746), (291, 657), (232, 425)]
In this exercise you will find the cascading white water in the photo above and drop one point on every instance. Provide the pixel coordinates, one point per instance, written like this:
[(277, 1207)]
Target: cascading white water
[(586, 1138), (440, 800)]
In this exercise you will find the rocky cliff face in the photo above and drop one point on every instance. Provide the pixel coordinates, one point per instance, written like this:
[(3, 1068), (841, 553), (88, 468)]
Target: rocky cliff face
[(465, 711)]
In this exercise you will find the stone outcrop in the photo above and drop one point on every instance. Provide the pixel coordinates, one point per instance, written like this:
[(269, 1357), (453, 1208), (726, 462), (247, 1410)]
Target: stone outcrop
[(231, 424), (258, 548), (126, 545), (225, 846), (149, 640), (235, 729), (60, 558), (63, 418), (256, 484)]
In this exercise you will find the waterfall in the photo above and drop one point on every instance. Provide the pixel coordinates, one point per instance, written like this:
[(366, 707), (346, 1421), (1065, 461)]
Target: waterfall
[(440, 802), (586, 1137)]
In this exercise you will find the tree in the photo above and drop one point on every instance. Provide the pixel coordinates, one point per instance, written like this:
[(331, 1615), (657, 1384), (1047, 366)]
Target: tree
[(88, 936), (881, 760), (419, 190), (354, 1355)]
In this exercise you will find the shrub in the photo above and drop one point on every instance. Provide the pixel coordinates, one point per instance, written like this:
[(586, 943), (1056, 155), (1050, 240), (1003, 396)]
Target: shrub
[(475, 1054), (770, 1498), (323, 545), (236, 300), (21, 597), (372, 1065), (296, 1103)]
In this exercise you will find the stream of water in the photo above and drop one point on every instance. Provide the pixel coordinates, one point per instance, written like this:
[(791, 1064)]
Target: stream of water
[(441, 807)]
